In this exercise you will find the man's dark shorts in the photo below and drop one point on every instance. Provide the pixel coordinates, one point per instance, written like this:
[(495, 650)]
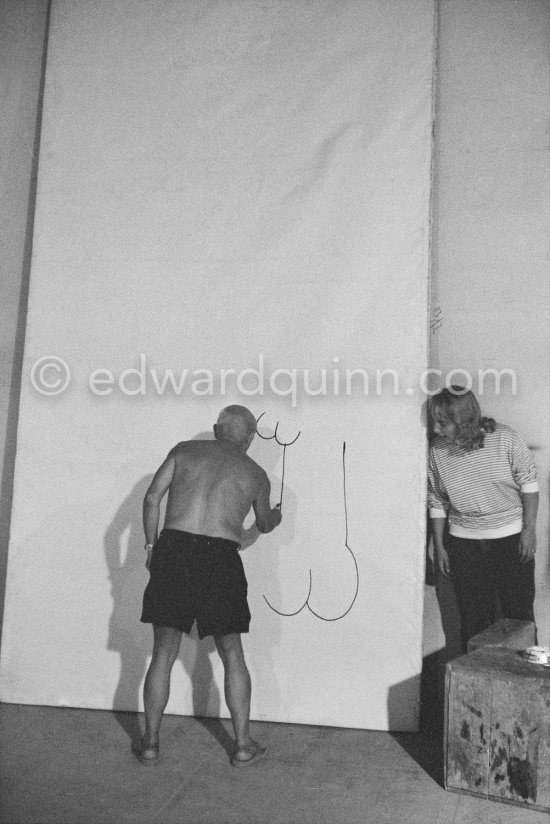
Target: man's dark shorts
[(196, 577)]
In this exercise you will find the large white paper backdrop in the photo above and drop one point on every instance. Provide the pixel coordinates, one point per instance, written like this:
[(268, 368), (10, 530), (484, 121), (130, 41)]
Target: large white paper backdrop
[(229, 186)]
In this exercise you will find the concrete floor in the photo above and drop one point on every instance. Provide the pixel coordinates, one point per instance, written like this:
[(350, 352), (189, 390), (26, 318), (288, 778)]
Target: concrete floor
[(68, 766)]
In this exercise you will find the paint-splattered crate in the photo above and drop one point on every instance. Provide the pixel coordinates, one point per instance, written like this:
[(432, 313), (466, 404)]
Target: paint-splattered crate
[(497, 728)]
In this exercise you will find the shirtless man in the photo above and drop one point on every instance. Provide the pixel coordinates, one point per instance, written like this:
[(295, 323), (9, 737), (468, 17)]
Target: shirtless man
[(196, 570)]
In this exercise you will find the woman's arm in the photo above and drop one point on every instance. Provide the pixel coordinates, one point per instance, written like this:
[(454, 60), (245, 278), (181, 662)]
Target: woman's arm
[(440, 553), (528, 538)]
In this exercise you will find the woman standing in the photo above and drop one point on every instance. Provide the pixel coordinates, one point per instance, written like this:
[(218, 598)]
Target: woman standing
[(482, 476)]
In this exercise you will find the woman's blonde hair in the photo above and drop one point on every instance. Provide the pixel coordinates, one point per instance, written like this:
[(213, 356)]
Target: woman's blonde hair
[(458, 405)]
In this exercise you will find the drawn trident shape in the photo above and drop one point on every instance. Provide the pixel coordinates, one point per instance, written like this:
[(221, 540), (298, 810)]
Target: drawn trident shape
[(284, 444)]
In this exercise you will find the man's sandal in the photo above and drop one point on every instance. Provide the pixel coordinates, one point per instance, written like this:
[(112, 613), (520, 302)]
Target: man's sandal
[(149, 756), (252, 754)]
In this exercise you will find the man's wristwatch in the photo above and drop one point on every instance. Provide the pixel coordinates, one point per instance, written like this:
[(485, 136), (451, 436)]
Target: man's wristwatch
[(148, 547)]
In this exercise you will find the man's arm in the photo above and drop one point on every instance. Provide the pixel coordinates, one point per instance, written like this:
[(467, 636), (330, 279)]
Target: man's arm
[(528, 539), (266, 517), (153, 497)]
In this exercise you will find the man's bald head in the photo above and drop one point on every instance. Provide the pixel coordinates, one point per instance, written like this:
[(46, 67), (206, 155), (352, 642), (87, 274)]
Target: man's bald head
[(236, 424)]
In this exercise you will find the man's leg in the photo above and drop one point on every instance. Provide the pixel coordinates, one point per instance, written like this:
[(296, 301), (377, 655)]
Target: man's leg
[(157, 681), (237, 689)]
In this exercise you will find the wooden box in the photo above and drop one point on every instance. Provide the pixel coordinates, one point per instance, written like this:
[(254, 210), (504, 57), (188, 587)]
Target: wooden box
[(497, 728), (507, 632)]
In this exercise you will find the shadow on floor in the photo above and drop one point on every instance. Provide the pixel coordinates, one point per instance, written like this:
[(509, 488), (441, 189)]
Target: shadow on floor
[(217, 730), (132, 725), (426, 746)]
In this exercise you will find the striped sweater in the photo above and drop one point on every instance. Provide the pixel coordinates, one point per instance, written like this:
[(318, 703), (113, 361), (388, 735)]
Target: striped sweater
[(481, 490)]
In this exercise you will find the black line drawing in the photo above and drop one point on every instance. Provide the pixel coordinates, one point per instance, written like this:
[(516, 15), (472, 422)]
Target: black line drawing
[(306, 602), (281, 443)]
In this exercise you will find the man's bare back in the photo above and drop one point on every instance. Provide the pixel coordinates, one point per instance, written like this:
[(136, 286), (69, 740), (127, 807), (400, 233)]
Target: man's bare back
[(211, 486)]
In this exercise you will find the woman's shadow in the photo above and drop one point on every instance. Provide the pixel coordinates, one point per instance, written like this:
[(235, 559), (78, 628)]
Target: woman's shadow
[(132, 640)]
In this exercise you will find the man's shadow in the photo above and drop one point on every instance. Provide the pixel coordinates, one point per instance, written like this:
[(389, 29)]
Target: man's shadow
[(132, 640), (262, 564), (123, 544)]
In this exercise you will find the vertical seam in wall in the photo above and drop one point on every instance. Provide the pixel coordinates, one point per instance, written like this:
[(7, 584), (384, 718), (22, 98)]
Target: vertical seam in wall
[(423, 458), (431, 265), (18, 356), (428, 357)]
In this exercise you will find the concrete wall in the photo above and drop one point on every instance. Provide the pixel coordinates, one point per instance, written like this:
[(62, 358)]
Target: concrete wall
[(22, 42), (490, 284)]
